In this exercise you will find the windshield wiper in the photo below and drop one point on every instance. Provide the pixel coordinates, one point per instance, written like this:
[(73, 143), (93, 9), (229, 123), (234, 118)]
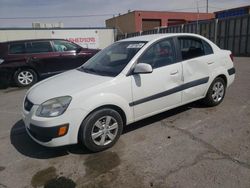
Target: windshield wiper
[(94, 71), (88, 70)]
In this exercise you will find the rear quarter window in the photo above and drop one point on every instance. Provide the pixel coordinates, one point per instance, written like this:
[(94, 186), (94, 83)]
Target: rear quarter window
[(207, 48), (17, 48)]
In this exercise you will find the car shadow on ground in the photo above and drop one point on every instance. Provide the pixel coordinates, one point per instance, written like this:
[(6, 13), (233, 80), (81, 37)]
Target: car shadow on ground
[(14, 89), (156, 118), (6, 84), (26, 146)]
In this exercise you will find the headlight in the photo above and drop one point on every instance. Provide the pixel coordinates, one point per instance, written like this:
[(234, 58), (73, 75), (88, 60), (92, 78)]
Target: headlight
[(53, 107), (1, 61)]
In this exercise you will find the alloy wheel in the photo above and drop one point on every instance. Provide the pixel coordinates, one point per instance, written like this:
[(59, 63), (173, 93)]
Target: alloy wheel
[(104, 130), (25, 77), (218, 91)]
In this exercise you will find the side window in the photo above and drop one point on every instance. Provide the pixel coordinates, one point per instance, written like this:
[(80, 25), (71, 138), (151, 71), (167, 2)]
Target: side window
[(191, 47), (207, 48), (61, 46), (39, 47), (18, 48), (160, 54)]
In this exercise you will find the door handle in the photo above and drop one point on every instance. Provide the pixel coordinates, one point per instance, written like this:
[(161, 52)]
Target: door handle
[(33, 58), (30, 59), (209, 63), (174, 72)]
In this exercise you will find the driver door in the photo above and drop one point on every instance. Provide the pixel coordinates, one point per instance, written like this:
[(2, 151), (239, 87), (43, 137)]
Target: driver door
[(160, 90), (69, 56)]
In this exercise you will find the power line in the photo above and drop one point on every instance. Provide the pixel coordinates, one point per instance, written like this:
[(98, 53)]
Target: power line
[(190, 8), (80, 16), (54, 17), (218, 8)]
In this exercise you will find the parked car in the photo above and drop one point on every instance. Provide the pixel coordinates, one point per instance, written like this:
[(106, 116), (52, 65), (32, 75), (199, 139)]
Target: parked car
[(128, 81), (28, 61)]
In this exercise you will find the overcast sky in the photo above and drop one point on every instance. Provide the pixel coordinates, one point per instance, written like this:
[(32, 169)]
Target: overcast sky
[(93, 13)]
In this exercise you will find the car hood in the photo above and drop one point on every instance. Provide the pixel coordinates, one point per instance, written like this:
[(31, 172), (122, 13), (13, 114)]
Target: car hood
[(65, 84)]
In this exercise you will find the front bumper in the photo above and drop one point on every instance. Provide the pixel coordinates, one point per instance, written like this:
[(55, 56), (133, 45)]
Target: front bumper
[(46, 134), (45, 131)]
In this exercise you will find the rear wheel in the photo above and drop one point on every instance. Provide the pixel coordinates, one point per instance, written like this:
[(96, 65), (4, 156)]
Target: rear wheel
[(101, 129), (25, 77), (216, 92)]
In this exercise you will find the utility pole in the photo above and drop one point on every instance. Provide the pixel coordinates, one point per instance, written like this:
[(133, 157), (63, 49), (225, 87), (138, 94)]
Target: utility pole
[(207, 6), (198, 17)]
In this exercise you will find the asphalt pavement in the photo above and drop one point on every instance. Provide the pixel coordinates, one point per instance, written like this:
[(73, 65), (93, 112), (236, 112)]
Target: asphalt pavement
[(191, 147)]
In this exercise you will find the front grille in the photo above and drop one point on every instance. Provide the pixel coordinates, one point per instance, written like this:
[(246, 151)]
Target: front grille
[(27, 104)]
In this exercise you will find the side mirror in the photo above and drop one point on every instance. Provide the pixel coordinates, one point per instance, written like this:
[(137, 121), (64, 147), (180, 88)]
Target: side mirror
[(142, 68), (78, 50)]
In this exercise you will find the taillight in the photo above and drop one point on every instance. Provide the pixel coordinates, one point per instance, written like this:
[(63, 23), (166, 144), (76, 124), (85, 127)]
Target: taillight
[(232, 57)]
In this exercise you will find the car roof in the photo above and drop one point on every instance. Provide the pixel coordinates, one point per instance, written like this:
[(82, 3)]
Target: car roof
[(154, 37), (29, 40)]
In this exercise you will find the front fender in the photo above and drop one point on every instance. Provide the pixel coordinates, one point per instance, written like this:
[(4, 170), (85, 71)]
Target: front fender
[(102, 99)]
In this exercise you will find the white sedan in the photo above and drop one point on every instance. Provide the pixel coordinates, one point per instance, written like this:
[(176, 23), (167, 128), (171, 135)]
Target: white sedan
[(130, 80)]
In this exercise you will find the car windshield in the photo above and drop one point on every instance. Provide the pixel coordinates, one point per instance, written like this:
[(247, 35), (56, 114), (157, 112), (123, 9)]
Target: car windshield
[(113, 59)]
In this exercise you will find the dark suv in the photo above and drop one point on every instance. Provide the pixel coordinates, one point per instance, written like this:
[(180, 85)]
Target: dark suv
[(25, 62)]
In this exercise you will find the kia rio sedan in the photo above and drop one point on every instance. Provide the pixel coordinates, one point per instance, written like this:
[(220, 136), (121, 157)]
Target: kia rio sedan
[(130, 80)]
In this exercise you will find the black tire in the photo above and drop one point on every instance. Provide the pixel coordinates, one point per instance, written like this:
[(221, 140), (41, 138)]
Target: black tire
[(209, 100), (88, 128), (30, 79)]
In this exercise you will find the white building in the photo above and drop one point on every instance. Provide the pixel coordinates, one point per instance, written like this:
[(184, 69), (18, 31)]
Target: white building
[(85, 37)]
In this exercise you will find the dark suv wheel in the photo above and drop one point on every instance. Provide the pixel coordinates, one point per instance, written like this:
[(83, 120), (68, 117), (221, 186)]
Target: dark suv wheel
[(216, 92), (101, 129), (25, 77)]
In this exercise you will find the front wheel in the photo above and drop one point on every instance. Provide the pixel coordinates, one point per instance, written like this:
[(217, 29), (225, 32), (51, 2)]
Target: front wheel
[(25, 77), (101, 129), (216, 92)]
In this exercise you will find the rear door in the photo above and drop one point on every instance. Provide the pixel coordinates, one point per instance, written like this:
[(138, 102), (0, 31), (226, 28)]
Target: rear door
[(159, 90), (196, 60)]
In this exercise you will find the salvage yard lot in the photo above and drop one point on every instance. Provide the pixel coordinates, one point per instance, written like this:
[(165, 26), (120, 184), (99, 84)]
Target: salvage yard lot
[(191, 146)]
